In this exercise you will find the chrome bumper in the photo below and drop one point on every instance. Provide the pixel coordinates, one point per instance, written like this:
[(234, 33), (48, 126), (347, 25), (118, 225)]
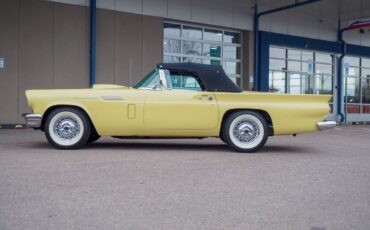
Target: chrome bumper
[(326, 124), (33, 120)]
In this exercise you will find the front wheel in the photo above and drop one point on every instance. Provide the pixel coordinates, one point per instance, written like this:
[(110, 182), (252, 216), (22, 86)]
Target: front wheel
[(245, 131), (67, 128)]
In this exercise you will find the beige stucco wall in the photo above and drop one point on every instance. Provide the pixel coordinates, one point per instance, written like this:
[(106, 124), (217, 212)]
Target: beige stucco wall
[(46, 45)]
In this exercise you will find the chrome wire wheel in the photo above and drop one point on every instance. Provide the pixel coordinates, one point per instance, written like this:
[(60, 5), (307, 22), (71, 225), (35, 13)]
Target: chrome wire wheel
[(245, 131), (66, 128)]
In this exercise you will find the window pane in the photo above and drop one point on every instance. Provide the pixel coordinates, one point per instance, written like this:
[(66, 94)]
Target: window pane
[(366, 62), (365, 73), (192, 48), (170, 59), (172, 30), (277, 52), (211, 50), (323, 68), (352, 61), (277, 82), (192, 32), (295, 86), (231, 52), (324, 84), (232, 67), (194, 60), (294, 54), (232, 37), (325, 58), (212, 35), (171, 46), (181, 81), (294, 66), (352, 71), (307, 56), (353, 95), (212, 62), (277, 64), (366, 96)]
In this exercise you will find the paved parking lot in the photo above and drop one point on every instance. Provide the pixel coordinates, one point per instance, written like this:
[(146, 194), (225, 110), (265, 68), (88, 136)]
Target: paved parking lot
[(312, 181)]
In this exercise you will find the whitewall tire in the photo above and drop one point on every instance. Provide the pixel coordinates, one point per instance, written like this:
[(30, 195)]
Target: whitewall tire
[(67, 128), (245, 131)]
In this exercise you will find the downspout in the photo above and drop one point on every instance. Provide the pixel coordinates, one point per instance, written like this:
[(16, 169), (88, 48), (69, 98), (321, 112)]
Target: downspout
[(257, 16), (340, 74), (92, 41)]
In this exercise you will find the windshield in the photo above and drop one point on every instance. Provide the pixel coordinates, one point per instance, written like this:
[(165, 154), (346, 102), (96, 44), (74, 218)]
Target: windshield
[(150, 81)]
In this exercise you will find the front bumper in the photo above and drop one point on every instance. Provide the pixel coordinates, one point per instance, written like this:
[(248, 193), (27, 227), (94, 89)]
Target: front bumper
[(33, 120), (326, 124)]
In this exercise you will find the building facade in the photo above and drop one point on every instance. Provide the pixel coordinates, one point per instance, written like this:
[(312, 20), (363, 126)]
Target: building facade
[(45, 44)]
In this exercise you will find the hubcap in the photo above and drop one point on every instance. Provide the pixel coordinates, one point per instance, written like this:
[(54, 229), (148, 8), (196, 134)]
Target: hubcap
[(246, 131), (66, 128)]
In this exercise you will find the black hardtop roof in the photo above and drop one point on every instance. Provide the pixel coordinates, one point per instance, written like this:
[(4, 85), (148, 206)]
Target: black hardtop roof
[(213, 77)]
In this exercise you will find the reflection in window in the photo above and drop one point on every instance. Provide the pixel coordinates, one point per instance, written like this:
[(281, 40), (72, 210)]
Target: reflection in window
[(213, 35), (187, 43), (171, 46), (276, 64), (277, 81), (211, 50), (277, 52), (171, 30), (192, 32), (192, 48), (323, 58), (232, 52), (232, 37)]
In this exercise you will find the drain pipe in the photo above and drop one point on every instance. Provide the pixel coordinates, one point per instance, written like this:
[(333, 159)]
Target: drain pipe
[(257, 16), (92, 41)]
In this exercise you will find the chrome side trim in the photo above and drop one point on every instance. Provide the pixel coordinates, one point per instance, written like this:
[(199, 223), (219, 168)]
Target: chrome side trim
[(33, 120), (326, 124), (112, 98)]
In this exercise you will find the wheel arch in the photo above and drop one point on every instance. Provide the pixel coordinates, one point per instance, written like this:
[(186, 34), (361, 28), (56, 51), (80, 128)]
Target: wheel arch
[(264, 113), (53, 107)]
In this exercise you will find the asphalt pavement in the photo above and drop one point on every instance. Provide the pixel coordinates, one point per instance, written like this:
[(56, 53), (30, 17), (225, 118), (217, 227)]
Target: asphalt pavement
[(312, 181)]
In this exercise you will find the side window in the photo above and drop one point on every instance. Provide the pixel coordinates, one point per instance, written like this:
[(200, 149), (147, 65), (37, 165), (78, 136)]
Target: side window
[(182, 81)]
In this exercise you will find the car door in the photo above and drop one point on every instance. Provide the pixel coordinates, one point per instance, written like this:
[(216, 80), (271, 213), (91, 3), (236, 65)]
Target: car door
[(180, 105)]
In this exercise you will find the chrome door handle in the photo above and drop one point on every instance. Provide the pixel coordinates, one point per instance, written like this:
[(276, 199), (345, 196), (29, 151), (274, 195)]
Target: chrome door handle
[(210, 98)]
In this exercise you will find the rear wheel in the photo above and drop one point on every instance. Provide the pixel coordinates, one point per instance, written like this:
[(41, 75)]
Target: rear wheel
[(245, 131), (67, 128)]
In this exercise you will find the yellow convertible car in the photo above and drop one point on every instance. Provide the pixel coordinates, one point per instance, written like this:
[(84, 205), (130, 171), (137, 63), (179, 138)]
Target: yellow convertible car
[(178, 100)]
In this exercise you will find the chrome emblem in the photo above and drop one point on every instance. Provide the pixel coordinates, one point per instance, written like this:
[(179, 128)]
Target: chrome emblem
[(112, 98)]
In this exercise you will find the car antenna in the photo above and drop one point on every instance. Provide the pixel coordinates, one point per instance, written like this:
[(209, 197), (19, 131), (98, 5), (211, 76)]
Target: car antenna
[(130, 72)]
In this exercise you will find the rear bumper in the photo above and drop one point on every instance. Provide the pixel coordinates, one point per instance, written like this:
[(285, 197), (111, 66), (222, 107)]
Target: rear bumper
[(33, 120), (322, 125)]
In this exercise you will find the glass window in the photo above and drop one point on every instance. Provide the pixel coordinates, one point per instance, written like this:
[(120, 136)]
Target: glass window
[(232, 52), (295, 86), (352, 61), (171, 59), (232, 37), (365, 73), (232, 67), (150, 81), (181, 81), (277, 81), (276, 64), (324, 68), (171, 30), (294, 66), (171, 46), (294, 54), (307, 56), (214, 46), (213, 35), (323, 58), (365, 62), (211, 50), (192, 32), (277, 52), (191, 48), (352, 97)]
